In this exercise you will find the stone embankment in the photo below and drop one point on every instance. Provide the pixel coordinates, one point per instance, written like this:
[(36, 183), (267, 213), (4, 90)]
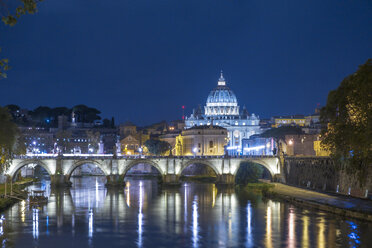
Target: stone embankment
[(337, 204)]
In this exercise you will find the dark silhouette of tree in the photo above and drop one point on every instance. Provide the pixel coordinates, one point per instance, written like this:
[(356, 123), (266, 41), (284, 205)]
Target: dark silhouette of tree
[(347, 120), (157, 147), (10, 140), (86, 114), (112, 122)]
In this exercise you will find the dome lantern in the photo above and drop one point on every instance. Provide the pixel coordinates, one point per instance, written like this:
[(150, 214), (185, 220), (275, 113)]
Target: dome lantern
[(221, 80)]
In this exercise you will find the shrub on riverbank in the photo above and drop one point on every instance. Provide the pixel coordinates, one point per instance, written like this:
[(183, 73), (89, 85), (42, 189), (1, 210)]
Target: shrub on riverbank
[(258, 187), (248, 173)]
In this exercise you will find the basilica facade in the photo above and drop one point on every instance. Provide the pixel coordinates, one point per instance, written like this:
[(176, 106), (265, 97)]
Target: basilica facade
[(222, 110)]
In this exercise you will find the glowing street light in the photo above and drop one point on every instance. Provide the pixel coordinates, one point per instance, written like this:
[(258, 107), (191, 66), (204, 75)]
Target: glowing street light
[(195, 150)]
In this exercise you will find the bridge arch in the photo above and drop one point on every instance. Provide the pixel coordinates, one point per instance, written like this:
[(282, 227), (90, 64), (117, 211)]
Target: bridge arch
[(256, 161), (142, 161), (13, 171), (82, 162), (199, 161)]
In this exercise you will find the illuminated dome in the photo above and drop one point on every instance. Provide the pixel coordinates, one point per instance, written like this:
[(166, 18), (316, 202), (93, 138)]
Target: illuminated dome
[(221, 100)]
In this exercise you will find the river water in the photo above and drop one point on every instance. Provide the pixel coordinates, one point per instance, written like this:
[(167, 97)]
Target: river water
[(193, 215)]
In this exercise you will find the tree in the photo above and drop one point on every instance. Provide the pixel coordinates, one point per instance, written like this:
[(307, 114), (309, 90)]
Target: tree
[(86, 114), (106, 123), (157, 147), (42, 115), (58, 111), (279, 134), (112, 122), (347, 119), (248, 173), (10, 140), (10, 18)]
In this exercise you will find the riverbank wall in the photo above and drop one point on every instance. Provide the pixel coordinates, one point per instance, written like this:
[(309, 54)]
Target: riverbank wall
[(338, 204), (322, 174)]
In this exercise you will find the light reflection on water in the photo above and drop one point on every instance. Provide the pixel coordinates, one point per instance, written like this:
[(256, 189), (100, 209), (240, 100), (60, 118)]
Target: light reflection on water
[(193, 215)]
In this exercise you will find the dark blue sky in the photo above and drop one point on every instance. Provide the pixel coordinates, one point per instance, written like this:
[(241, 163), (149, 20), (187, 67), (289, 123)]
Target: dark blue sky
[(142, 60)]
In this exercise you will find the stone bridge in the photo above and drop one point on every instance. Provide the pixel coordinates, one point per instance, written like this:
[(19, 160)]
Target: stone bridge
[(61, 167)]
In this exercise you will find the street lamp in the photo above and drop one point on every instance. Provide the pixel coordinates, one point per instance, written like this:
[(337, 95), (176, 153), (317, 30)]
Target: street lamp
[(195, 150), (140, 151)]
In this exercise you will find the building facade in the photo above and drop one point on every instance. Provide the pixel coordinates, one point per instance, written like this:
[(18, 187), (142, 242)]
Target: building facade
[(222, 110), (201, 141)]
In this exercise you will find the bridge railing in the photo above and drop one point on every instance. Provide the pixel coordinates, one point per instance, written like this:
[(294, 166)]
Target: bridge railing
[(110, 156)]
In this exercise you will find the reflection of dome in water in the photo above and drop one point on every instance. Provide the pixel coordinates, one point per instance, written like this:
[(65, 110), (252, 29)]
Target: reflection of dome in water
[(221, 100)]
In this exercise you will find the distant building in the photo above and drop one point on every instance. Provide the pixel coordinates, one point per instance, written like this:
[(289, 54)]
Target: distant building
[(222, 110), (201, 141), (298, 120), (130, 145), (128, 128), (258, 146)]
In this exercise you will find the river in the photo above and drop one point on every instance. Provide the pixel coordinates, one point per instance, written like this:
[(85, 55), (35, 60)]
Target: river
[(193, 215)]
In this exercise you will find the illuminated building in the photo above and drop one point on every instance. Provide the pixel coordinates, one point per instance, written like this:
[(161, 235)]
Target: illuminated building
[(130, 145), (258, 146), (201, 140), (298, 120), (222, 110)]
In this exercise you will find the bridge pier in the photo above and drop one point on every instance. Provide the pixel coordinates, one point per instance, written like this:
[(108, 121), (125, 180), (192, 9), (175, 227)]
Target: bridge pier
[(171, 179), (115, 180), (226, 179), (59, 180)]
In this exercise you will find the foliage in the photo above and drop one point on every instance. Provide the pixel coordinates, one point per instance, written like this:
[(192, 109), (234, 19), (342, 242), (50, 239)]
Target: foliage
[(279, 133), (10, 18), (248, 173), (10, 140), (106, 123), (157, 147), (348, 113), (3, 67), (44, 116), (86, 114)]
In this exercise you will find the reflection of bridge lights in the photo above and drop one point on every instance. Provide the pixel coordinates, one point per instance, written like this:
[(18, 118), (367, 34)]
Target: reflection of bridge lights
[(185, 202), (291, 229), (321, 230), (268, 227), (305, 231), (90, 234), (140, 215), (249, 224), (195, 226), (214, 193), (353, 236), (1, 225), (97, 197), (35, 223), (23, 209)]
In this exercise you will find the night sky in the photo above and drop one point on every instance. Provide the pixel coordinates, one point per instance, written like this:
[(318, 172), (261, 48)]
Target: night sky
[(142, 60)]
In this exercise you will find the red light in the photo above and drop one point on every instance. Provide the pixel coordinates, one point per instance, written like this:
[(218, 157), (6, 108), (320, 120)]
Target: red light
[(183, 107)]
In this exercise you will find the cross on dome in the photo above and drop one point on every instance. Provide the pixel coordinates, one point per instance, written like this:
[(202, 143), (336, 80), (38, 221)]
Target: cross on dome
[(221, 80)]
